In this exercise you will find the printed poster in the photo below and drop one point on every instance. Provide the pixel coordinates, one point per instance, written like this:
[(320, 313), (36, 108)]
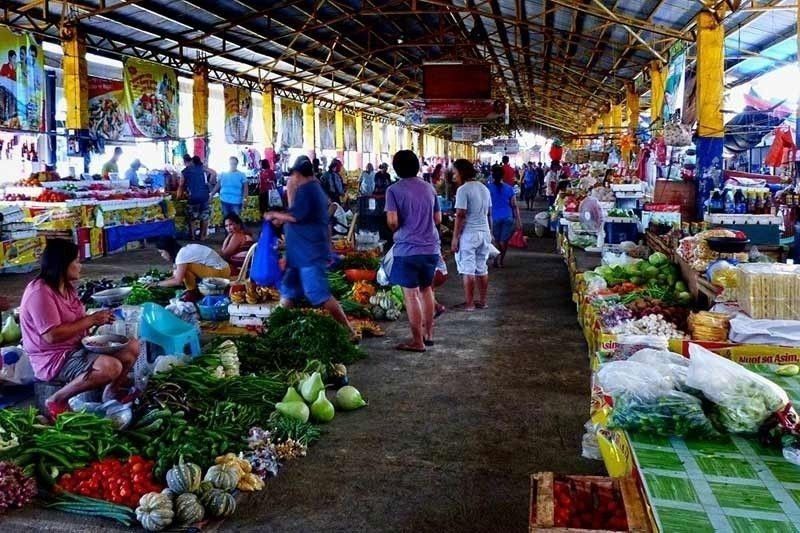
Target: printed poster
[(21, 81), (327, 130), (106, 109), (350, 143), (291, 124), (151, 99), (238, 115), (367, 135), (675, 86)]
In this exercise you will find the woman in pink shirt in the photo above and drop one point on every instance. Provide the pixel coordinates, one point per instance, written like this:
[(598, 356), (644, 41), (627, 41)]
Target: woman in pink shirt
[(53, 322)]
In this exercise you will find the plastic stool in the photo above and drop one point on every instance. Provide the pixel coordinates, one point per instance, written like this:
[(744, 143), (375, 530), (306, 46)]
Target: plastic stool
[(164, 329)]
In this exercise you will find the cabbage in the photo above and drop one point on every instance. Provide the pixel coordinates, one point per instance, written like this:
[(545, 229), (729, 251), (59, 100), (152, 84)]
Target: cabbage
[(348, 398), (295, 410), (292, 396), (322, 410), (310, 387), (658, 259)]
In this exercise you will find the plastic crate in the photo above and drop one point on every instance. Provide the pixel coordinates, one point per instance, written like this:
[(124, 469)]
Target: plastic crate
[(214, 308)]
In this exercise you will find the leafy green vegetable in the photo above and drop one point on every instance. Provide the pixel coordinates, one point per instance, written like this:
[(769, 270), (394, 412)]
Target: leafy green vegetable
[(674, 414)]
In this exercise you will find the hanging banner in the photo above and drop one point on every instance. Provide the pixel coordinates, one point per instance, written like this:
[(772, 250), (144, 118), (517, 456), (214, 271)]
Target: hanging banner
[(106, 111), (327, 130), (467, 132), (386, 145), (675, 87), (238, 115), (151, 99), (368, 137), (21, 81), (291, 124), (350, 136)]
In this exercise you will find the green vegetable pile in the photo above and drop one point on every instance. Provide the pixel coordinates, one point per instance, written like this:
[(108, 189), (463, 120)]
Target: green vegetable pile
[(673, 414), (72, 442), (657, 275), (359, 262), (292, 338), (141, 293), (338, 284)]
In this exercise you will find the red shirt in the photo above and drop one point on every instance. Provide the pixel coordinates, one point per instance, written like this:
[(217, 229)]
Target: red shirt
[(266, 180), (509, 176), (8, 71)]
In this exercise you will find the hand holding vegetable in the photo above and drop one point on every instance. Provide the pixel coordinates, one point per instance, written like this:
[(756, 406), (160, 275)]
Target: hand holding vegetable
[(104, 316)]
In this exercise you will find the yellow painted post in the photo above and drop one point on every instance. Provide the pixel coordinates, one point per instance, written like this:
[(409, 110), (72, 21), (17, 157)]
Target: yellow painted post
[(632, 102), (409, 139), (657, 89), (338, 133), (309, 128), (76, 80), (616, 119), (268, 116), (360, 140), (710, 75), (606, 117)]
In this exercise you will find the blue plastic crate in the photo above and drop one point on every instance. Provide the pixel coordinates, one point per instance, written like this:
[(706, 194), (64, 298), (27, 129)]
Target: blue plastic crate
[(214, 308)]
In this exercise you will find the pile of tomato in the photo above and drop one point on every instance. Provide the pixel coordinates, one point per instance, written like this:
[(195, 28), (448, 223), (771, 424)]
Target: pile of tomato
[(586, 505), (52, 196), (112, 480)]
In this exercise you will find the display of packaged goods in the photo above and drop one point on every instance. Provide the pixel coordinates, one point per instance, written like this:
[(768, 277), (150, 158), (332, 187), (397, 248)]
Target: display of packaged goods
[(770, 290), (23, 251)]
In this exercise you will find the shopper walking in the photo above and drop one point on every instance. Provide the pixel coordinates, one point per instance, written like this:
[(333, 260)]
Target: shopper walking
[(366, 184), (194, 187), (509, 175), (307, 243), (332, 182), (232, 189), (529, 185), (551, 185), (382, 180), (505, 214), (412, 212), (472, 238)]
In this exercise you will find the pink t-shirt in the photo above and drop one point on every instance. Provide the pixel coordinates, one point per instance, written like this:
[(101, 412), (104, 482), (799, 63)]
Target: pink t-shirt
[(41, 310)]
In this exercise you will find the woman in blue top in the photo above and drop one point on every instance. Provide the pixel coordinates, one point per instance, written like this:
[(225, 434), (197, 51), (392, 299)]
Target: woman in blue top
[(232, 188), (505, 213)]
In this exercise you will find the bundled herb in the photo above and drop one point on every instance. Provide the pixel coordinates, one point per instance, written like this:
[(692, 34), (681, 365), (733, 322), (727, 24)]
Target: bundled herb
[(338, 284), (359, 261), (292, 337)]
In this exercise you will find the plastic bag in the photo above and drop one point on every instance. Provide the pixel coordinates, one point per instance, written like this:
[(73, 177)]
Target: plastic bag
[(16, 366), (671, 365), (518, 240), (385, 270), (673, 414), (628, 377), (743, 400), (265, 270)]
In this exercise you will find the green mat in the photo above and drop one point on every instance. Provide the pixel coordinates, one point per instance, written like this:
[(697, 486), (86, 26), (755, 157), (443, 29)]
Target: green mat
[(730, 485)]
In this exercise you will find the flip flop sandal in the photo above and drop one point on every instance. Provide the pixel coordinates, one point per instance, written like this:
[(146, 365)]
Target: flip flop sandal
[(409, 348), (428, 342), (463, 307), (481, 305)]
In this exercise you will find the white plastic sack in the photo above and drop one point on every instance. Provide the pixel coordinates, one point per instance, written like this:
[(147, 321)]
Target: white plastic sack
[(743, 400), (385, 270), (746, 330), (16, 366), (441, 266), (670, 364), (636, 379)]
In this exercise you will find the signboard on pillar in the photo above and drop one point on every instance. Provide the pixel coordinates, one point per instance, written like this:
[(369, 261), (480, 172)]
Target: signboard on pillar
[(467, 132), (21, 81)]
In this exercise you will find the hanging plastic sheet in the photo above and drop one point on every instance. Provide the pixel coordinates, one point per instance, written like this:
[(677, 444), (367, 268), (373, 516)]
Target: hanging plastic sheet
[(350, 136), (327, 127), (367, 137), (291, 124)]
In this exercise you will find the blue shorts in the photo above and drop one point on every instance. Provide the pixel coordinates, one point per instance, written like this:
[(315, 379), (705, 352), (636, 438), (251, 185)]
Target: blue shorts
[(412, 271), (230, 209), (502, 229), (310, 281)]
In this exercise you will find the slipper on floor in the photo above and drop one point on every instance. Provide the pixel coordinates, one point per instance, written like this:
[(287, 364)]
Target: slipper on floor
[(463, 307), (403, 347), (481, 305), (428, 342)]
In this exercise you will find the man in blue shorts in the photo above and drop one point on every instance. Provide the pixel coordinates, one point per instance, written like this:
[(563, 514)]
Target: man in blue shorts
[(412, 212), (307, 242)]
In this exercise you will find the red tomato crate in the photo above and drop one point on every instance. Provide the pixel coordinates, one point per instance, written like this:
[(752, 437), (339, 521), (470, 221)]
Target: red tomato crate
[(544, 502)]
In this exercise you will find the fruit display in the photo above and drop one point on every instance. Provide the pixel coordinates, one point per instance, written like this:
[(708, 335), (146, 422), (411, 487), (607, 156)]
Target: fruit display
[(588, 505), (250, 293)]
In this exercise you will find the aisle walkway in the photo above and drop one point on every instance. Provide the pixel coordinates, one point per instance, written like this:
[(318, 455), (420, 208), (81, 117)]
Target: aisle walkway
[(450, 436)]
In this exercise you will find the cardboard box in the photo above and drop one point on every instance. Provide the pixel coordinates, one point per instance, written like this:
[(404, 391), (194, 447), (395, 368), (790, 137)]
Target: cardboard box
[(742, 353)]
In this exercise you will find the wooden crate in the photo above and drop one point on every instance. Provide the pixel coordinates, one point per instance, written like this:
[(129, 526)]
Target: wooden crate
[(542, 506)]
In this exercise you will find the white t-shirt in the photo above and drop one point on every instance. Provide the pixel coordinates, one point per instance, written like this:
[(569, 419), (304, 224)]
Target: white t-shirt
[(197, 253), (475, 198)]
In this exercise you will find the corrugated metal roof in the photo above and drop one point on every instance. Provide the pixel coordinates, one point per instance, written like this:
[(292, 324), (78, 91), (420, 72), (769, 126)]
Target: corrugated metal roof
[(558, 62)]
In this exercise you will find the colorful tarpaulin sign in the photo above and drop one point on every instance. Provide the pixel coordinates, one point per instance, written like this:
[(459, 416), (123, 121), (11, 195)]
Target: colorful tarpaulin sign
[(675, 87), (21, 81), (151, 99), (238, 115), (106, 109), (467, 132)]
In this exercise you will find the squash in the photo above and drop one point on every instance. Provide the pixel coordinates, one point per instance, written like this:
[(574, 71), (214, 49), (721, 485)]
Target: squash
[(169, 493), (204, 487), (218, 502), (188, 509), (155, 511), (225, 476), (184, 477), (235, 460)]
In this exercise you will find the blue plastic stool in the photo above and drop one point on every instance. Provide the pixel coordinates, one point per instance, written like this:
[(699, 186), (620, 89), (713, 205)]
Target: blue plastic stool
[(164, 329)]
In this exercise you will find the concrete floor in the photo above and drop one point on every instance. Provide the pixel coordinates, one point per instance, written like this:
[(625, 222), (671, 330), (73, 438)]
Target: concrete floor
[(450, 437)]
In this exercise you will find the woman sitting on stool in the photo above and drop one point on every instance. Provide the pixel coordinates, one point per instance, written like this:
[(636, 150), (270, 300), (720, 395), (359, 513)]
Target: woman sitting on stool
[(54, 321)]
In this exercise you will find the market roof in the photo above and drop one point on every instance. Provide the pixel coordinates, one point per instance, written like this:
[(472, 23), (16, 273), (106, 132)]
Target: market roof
[(556, 60)]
